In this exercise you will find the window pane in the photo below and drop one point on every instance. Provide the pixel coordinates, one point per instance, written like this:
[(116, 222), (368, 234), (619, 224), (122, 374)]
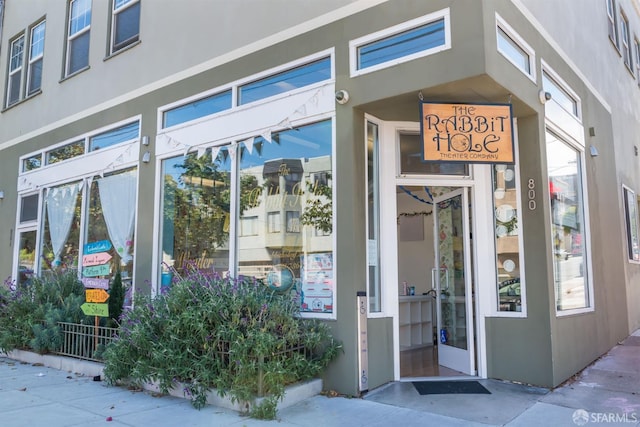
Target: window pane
[(559, 95), (276, 182), (29, 208), (17, 50), (200, 108), (32, 163), (631, 218), (61, 234), (567, 224), (105, 224), (403, 44), (115, 136), (283, 82), (513, 51), (80, 16), (37, 40), (127, 26), (27, 257), (196, 214), (78, 53), (373, 209), (66, 152), (14, 88), (411, 159), (507, 234), (35, 76)]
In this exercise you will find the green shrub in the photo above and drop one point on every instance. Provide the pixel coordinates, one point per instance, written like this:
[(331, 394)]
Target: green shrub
[(237, 336), (30, 312)]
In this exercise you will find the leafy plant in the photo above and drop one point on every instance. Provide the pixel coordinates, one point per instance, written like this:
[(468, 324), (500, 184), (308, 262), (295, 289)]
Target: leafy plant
[(237, 336), (30, 312)]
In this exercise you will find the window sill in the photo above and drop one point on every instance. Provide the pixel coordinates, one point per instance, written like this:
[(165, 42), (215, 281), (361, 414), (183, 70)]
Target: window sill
[(23, 100), (122, 50), (81, 70)]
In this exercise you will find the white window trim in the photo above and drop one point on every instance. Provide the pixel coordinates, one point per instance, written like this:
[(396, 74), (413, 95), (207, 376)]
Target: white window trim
[(627, 231), (517, 39), (558, 114), (586, 235), (71, 37), (627, 54), (246, 121), (33, 60), (391, 31), (17, 70), (521, 256)]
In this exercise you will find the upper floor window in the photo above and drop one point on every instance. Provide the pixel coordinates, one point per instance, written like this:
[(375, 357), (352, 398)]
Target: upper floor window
[(410, 40), (514, 48), (16, 60), (560, 94), (36, 54), (125, 24), (612, 22), (32, 162), (285, 81), (78, 35), (626, 41)]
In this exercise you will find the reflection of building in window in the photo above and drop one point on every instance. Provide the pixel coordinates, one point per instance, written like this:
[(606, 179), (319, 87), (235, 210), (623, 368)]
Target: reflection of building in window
[(282, 176), (293, 221), (249, 226), (273, 222)]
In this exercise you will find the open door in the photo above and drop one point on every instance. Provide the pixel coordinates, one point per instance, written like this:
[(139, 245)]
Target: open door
[(453, 282)]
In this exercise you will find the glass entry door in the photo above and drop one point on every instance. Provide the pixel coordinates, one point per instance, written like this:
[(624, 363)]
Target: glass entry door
[(453, 282)]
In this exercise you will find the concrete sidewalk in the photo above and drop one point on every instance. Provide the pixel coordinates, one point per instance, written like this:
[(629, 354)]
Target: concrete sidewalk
[(606, 393)]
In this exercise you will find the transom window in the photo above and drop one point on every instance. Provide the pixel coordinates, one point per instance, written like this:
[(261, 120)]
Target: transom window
[(404, 42), (125, 24), (221, 99), (514, 48), (560, 94), (78, 36), (92, 142)]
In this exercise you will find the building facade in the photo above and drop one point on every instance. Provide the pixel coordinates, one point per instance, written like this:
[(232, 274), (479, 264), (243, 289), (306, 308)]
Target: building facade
[(292, 144)]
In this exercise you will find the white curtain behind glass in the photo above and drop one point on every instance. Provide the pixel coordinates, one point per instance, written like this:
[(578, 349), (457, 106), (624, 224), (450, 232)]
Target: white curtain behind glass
[(118, 200), (61, 203)]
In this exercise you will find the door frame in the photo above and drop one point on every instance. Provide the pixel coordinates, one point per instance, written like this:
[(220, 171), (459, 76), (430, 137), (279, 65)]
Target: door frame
[(483, 264), (456, 356)]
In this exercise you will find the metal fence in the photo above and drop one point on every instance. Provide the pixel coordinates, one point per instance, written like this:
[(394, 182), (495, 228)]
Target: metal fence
[(86, 342)]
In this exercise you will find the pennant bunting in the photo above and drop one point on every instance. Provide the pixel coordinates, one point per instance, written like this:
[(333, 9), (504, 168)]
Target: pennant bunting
[(249, 144), (214, 153)]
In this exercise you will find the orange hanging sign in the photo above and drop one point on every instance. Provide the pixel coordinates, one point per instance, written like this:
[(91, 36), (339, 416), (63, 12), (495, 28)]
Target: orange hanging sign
[(467, 133)]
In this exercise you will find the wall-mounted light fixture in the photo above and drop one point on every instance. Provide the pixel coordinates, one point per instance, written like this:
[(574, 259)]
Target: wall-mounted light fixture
[(146, 157), (594, 151), (145, 140), (1, 195), (544, 96), (342, 97)]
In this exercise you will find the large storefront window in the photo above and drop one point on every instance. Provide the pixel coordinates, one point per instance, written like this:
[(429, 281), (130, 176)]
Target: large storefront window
[(282, 213), (60, 243), (289, 180), (196, 213), (507, 234), (373, 218), (564, 167), (110, 218)]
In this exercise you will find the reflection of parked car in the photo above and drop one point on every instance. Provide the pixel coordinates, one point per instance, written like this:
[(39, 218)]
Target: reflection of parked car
[(509, 294)]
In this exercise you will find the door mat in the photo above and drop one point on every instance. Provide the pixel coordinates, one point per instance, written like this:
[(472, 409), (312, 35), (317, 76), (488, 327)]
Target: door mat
[(450, 387)]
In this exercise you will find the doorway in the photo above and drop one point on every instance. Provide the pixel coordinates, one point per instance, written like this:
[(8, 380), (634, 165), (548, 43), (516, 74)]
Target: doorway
[(435, 272)]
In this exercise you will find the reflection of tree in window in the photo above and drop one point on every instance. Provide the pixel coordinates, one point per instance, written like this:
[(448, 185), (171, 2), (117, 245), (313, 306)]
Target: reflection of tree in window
[(318, 211)]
